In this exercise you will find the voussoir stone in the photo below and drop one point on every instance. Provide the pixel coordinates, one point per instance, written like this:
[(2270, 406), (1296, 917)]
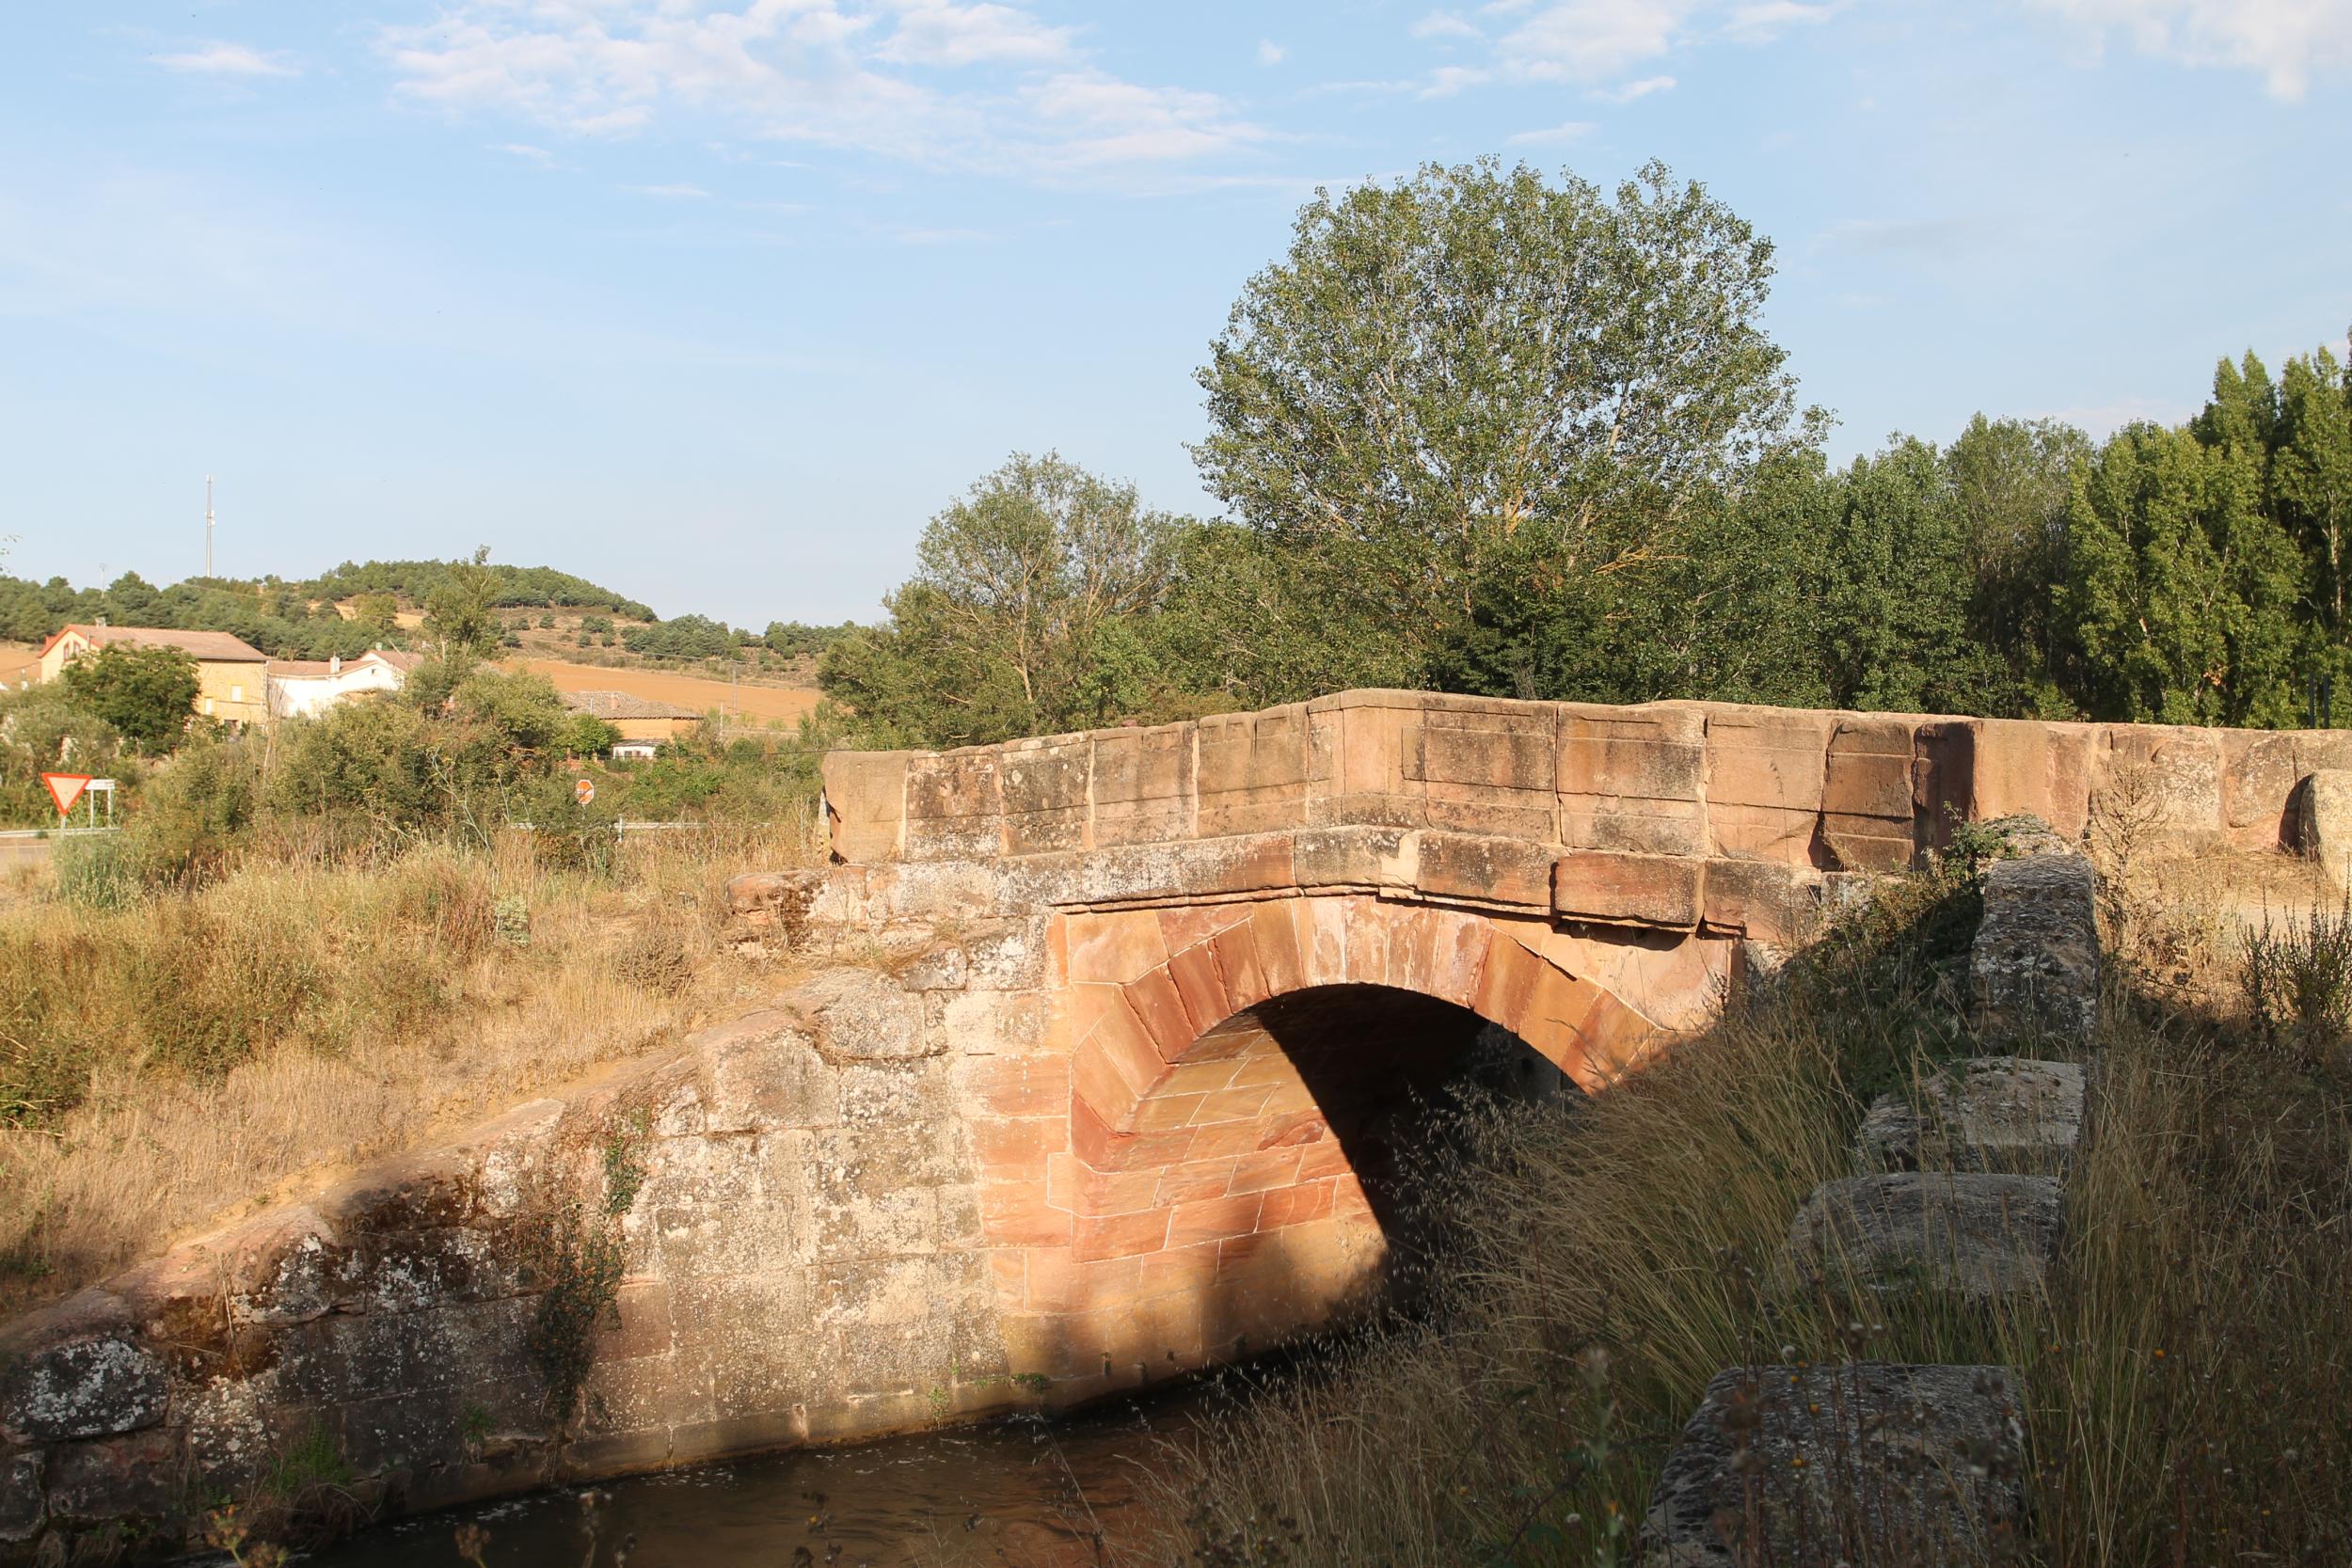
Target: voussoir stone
[(2033, 969), (1980, 1235), (2001, 1114), (1869, 1462)]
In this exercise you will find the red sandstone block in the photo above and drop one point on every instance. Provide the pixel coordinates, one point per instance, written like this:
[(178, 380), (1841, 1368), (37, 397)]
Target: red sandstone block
[(1018, 1085), (1015, 1213), (1262, 1168), (1200, 987), (1273, 927), (1008, 1274), (1321, 925), (1492, 870), (1127, 1044), (1554, 1019), (1289, 1099), (1367, 940), (1158, 1113), (1225, 1140), (1190, 925), (1203, 1075), (1326, 1156), (1115, 947), (1073, 1185), (1212, 1219), (1240, 1104), (1286, 1206), (1295, 1131), (1237, 950), (1119, 1235), (1175, 1270), (1510, 973), (1620, 889), (1057, 1282), (1271, 1067), (1006, 1147), (1348, 1197), (1154, 997), (1098, 1087), (1193, 1182)]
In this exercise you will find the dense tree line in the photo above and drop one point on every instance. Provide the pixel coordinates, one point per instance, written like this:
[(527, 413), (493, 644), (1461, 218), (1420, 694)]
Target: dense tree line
[(1480, 432), (298, 619)]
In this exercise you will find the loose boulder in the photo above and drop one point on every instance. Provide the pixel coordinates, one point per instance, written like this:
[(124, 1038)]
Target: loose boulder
[(1869, 1462), (1980, 1236)]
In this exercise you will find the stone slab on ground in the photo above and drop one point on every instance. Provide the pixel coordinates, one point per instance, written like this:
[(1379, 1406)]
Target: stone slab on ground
[(2033, 970), (1866, 1463), (1979, 1235), (2004, 1114)]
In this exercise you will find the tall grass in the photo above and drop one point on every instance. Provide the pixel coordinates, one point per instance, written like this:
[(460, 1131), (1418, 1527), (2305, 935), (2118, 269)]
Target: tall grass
[(2187, 1377), (166, 1056)]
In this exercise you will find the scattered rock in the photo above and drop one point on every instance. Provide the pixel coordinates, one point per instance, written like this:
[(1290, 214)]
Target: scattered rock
[(2033, 970), (2001, 1114), (2320, 812), (774, 904), (1979, 1235), (119, 1478), (1810, 1466)]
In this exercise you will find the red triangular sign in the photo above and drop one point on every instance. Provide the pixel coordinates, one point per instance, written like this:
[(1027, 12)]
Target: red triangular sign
[(66, 788)]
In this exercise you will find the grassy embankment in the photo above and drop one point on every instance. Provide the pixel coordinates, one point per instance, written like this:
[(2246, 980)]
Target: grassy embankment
[(191, 1055), (2188, 1375)]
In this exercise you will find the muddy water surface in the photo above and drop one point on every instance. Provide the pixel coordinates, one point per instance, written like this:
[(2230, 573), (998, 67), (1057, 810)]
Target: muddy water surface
[(1018, 1493)]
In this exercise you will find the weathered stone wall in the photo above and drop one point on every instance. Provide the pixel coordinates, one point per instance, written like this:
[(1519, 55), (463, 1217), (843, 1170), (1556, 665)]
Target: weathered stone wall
[(794, 1241)]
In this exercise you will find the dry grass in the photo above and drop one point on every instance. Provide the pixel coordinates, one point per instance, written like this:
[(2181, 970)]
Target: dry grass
[(179, 1061), (741, 700), (2187, 1377)]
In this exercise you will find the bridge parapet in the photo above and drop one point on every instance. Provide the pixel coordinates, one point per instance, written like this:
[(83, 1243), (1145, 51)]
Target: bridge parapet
[(1671, 814)]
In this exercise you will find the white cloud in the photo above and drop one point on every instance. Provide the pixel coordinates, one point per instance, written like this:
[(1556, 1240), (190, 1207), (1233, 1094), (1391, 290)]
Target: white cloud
[(938, 81), (939, 34), (1571, 131), (1444, 24), (227, 59), (1641, 89), (1762, 21), (671, 193), (1447, 80), (1271, 53), (527, 152), (2287, 41), (1590, 41)]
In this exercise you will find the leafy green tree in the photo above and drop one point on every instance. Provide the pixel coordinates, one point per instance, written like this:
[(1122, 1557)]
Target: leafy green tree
[(2013, 479), (2181, 593), (1020, 618), (42, 730), (380, 611), (2312, 478), (1476, 370), (461, 611), (147, 693)]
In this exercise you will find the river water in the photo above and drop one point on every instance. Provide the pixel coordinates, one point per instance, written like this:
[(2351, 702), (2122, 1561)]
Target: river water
[(1027, 1493)]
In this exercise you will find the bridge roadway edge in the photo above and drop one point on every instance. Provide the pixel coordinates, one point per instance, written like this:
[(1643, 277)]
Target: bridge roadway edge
[(1001, 1153)]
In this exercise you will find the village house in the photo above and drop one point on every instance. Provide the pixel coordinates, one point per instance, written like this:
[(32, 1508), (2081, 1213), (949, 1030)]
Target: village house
[(232, 675), (306, 688), (638, 718)]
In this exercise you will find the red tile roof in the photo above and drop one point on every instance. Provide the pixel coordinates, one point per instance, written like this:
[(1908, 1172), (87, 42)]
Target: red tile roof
[(214, 647)]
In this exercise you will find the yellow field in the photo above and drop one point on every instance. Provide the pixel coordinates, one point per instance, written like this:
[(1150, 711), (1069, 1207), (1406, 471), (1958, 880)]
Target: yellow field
[(753, 703)]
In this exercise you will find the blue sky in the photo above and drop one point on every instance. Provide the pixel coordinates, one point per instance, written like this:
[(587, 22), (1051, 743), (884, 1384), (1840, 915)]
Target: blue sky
[(716, 301)]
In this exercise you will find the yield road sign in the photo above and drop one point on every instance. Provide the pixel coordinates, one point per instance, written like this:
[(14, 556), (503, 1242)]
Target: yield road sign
[(66, 788)]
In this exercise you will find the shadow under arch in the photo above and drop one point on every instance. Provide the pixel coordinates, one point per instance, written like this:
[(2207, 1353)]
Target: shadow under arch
[(1247, 1085)]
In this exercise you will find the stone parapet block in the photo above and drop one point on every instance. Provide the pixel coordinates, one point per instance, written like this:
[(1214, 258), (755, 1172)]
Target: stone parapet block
[(1868, 1462), (2033, 968), (1977, 1236), (2001, 1114)]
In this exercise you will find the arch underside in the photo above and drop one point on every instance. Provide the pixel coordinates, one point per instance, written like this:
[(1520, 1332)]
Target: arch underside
[(1225, 1168)]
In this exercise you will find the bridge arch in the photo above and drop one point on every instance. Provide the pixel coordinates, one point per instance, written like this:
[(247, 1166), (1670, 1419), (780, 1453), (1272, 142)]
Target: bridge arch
[(1220, 1184)]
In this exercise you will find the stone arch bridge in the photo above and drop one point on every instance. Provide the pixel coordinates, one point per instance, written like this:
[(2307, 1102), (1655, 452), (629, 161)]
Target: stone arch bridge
[(1105, 1073)]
